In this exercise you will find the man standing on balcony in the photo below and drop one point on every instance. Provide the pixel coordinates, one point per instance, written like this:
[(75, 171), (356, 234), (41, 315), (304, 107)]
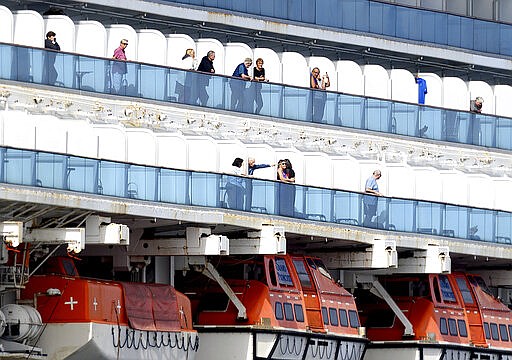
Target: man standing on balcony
[(206, 65), (119, 68), (49, 71), (475, 106), (370, 202)]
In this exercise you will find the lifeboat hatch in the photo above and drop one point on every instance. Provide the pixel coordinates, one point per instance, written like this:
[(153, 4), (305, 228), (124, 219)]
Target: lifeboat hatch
[(372, 284), (200, 264)]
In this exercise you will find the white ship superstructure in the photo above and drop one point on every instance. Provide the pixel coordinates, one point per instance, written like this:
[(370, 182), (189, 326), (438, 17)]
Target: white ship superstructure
[(134, 177)]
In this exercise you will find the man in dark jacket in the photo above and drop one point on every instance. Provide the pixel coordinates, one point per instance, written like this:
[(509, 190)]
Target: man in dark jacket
[(49, 71), (206, 65)]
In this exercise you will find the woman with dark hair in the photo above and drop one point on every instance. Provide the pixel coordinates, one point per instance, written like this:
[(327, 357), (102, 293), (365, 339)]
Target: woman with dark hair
[(286, 199), (235, 186)]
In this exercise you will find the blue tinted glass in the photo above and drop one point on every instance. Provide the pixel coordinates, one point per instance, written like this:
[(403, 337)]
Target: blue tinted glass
[(299, 313), (333, 316), (279, 311), (325, 316), (343, 318), (443, 326), (353, 318), (288, 312)]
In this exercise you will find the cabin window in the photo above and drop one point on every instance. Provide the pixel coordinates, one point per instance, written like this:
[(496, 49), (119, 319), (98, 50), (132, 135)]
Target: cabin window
[(446, 289), (354, 319), (462, 328), (299, 313), (272, 273), (322, 269), (503, 332), (325, 315), (333, 316), (510, 332), (452, 326), (304, 278), (443, 326), (343, 318), (437, 292), (288, 312), (464, 290), (487, 331), (494, 331), (279, 311), (283, 275)]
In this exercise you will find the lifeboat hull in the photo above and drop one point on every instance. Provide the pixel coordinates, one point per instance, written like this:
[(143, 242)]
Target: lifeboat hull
[(255, 344), (85, 341), (422, 351)]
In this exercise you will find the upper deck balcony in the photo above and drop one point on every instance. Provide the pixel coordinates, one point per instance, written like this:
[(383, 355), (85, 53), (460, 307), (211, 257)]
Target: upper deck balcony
[(280, 101)]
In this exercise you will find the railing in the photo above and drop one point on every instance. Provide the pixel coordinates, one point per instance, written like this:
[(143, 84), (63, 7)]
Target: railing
[(155, 184), (382, 19), (146, 81)]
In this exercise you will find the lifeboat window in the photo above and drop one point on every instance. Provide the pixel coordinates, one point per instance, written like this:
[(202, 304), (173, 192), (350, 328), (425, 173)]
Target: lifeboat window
[(487, 331), (322, 269), (503, 332), (510, 331), (333, 316), (494, 331), (446, 289), (462, 328), (299, 313), (354, 319), (464, 290), (452, 326), (343, 318), (272, 273), (288, 312), (437, 292), (283, 275), (443, 326), (305, 281), (279, 311), (325, 315)]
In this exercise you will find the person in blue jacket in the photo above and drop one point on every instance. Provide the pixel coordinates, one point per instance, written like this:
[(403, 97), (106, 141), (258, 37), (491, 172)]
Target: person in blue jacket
[(238, 86), (422, 89)]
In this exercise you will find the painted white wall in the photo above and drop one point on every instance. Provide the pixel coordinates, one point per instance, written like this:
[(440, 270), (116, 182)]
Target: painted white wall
[(481, 88), (350, 77), (172, 150), (64, 28), (141, 146), (91, 39), (117, 32), (177, 44), (434, 96), (376, 81), (403, 86), (235, 53), (205, 45), (6, 25), (326, 66), (271, 63), (111, 142), (455, 94), (152, 47), (203, 153), (502, 95), (295, 69), (28, 28)]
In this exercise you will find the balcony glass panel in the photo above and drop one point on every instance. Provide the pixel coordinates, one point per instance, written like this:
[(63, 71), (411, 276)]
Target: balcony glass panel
[(147, 183), (277, 100)]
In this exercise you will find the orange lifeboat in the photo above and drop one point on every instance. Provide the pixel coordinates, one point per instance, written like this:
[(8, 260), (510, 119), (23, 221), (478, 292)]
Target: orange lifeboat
[(96, 319), (294, 309), (450, 313)]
